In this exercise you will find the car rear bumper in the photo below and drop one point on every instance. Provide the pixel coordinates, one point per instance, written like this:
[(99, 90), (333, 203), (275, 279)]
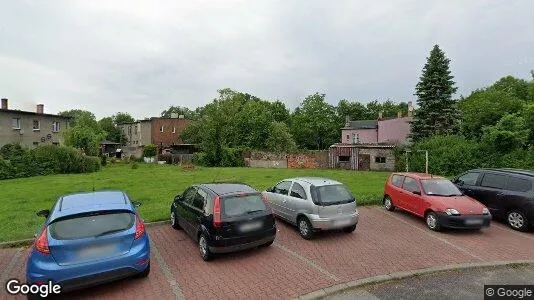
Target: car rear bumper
[(464, 222), (43, 268), (229, 245), (332, 223)]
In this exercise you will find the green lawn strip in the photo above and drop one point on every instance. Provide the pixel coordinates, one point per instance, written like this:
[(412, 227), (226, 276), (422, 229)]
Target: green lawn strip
[(154, 186)]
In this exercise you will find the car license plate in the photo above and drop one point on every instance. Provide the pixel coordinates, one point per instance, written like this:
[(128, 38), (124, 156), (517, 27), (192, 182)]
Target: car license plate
[(341, 223), (96, 251), (250, 226), (473, 222)]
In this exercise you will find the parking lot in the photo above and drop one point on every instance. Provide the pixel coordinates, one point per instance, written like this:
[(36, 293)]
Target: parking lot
[(383, 243)]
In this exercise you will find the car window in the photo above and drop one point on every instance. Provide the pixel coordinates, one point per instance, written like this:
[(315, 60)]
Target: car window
[(200, 199), (189, 196), (468, 178), (396, 180), (496, 181), (331, 194), (282, 187), (91, 226), (241, 205), (410, 185), (297, 191), (518, 184)]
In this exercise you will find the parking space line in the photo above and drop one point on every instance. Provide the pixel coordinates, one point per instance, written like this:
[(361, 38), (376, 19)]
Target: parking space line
[(7, 270), (432, 235), (177, 291), (309, 262), (518, 233)]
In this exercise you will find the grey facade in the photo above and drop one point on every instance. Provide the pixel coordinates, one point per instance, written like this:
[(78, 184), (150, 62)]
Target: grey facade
[(31, 129), (139, 134), (363, 157)]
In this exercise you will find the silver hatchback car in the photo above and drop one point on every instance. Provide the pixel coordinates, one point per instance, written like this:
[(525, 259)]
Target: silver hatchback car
[(314, 204)]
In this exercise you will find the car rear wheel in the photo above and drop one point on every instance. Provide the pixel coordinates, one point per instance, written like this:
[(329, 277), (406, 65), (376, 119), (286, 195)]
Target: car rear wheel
[(517, 220), (174, 220), (203, 248), (432, 221), (388, 204), (305, 228), (350, 229)]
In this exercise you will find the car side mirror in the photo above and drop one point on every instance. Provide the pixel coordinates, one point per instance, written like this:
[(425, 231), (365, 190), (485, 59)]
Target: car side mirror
[(136, 204), (43, 213), (417, 193)]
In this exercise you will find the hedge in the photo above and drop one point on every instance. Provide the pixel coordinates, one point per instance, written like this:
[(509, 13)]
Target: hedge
[(17, 162)]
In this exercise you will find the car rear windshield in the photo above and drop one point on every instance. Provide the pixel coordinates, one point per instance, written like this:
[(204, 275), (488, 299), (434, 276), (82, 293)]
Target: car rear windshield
[(440, 187), (241, 205), (91, 225), (331, 194)]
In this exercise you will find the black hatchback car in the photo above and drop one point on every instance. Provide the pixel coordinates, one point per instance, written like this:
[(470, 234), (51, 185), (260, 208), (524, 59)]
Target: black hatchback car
[(507, 193), (224, 217)]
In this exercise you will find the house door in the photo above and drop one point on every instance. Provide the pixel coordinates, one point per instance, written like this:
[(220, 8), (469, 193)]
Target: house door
[(364, 162)]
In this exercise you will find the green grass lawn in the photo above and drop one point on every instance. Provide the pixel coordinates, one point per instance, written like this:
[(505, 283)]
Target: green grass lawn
[(154, 186)]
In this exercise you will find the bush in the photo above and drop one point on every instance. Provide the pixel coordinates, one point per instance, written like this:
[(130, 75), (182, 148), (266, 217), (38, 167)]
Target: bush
[(135, 165), (44, 160), (104, 160), (200, 159), (150, 150)]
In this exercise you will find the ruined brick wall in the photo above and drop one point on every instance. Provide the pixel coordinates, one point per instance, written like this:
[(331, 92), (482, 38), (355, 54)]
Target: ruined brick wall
[(308, 160)]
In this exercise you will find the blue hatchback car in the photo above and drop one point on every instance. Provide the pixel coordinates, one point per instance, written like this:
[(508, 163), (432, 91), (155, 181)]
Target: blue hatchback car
[(88, 239)]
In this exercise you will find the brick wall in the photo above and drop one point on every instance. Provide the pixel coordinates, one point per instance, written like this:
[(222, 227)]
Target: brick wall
[(172, 129), (308, 160)]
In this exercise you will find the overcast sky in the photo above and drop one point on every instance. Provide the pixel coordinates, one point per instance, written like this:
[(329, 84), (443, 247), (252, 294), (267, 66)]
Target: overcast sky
[(142, 56)]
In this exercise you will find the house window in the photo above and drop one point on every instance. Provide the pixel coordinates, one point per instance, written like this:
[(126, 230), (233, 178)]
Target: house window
[(344, 158), (380, 160), (36, 125), (15, 123), (348, 138), (161, 129), (135, 129), (174, 130), (55, 127), (130, 130)]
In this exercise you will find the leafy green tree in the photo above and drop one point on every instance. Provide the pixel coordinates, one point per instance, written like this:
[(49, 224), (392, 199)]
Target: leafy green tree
[(150, 150), (112, 132), (354, 110), (508, 134), (280, 139), (314, 123), (122, 117), (84, 137), (78, 114), (528, 115), (515, 87), (438, 113)]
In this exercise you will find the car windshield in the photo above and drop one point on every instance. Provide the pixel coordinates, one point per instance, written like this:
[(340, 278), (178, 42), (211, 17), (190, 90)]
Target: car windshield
[(331, 194), (440, 187), (241, 205), (91, 226)]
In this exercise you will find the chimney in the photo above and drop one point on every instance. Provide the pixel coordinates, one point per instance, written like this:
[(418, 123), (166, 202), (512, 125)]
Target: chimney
[(410, 109), (40, 108), (380, 115), (399, 114), (181, 116), (347, 121), (4, 103)]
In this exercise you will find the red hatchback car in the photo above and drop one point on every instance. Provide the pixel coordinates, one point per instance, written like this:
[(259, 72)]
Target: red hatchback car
[(436, 199)]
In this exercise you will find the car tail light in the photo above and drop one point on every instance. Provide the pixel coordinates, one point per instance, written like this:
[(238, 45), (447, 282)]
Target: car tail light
[(139, 227), (264, 197), (41, 244), (217, 213)]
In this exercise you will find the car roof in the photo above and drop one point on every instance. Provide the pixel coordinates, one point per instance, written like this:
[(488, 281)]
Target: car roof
[(507, 170), (317, 181), (92, 201), (419, 176), (228, 188)]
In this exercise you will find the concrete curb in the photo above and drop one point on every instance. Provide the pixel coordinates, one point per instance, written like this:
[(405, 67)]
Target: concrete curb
[(26, 242), (324, 292)]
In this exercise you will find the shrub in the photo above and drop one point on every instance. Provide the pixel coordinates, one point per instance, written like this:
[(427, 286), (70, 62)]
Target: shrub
[(104, 160), (150, 150), (135, 165), (200, 159)]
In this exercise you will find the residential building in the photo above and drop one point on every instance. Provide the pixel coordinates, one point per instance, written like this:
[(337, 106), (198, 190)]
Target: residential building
[(31, 129), (368, 144), (162, 132), (380, 131)]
